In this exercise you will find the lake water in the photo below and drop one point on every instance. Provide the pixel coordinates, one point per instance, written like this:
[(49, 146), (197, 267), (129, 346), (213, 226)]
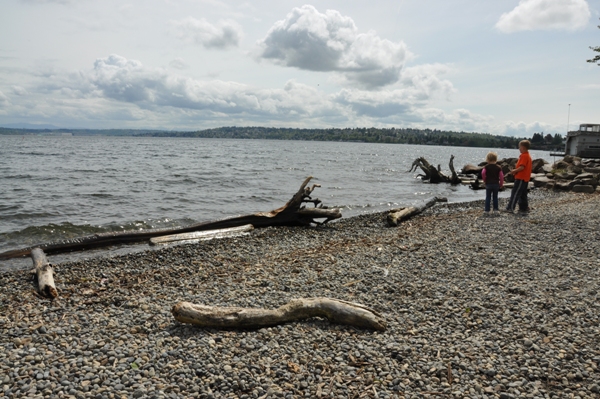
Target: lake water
[(56, 187)]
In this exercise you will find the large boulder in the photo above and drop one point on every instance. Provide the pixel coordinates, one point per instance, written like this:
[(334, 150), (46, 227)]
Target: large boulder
[(590, 182), (584, 188), (584, 176), (537, 165), (575, 169), (541, 181), (470, 169), (571, 159), (588, 179), (547, 168), (561, 165), (561, 185)]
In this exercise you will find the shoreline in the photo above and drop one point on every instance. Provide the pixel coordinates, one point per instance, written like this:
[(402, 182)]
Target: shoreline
[(24, 263), (476, 307)]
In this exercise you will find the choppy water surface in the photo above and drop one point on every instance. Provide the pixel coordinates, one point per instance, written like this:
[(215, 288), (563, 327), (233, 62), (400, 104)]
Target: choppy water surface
[(55, 187)]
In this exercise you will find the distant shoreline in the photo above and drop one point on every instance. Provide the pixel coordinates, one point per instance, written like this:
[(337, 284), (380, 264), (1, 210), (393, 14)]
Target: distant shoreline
[(361, 135)]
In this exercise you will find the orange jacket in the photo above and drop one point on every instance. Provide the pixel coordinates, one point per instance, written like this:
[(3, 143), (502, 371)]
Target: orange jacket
[(524, 160)]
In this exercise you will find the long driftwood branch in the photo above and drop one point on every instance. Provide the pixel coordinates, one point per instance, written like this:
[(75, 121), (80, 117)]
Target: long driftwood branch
[(44, 273), (336, 311), (293, 213), (197, 236), (395, 216)]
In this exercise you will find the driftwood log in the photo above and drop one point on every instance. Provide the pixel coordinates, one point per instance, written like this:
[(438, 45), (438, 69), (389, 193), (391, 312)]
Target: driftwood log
[(395, 216), (197, 236), (336, 311), (43, 272), (293, 213), (434, 175)]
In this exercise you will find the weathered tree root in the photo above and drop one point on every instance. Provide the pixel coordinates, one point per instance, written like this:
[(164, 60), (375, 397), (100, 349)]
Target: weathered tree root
[(336, 311)]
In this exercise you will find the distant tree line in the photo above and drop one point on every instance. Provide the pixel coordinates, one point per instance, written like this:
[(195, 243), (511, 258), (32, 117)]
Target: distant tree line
[(363, 135)]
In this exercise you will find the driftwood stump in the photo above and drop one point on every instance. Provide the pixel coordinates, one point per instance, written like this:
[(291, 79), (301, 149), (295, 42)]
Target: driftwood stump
[(293, 213), (434, 175), (334, 310), (43, 271)]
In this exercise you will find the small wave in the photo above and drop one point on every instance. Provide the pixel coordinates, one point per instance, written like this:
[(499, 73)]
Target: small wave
[(56, 232), (21, 176), (48, 233), (27, 215)]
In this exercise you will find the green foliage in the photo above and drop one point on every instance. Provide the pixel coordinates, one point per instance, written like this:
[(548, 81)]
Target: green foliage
[(537, 138), (363, 135), (558, 139)]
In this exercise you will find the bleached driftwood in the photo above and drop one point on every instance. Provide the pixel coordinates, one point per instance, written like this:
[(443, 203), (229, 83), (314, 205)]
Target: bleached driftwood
[(44, 273), (293, 213), (197, 236), (336, 311), (397, 215)]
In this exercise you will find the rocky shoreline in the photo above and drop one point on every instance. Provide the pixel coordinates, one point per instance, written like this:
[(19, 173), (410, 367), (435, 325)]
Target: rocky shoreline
[(503, 307)]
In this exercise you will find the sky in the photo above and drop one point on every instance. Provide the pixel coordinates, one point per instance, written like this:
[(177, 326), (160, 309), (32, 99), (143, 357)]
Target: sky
[(508, 67)]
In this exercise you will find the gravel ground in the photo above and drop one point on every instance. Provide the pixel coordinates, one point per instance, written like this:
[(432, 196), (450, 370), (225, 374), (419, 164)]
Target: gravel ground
[(477, 307)]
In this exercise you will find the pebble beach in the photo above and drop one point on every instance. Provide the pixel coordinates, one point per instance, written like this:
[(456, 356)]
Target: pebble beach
[(476, 307)]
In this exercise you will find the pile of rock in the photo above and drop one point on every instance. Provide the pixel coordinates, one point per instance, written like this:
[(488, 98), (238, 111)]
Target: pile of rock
[(570, 173)]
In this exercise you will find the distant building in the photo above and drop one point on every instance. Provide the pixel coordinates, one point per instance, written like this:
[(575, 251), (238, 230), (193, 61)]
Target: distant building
[(585, 142)]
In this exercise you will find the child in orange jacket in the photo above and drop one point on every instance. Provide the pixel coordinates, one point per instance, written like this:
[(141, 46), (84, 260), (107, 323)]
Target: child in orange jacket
[(522, 174)]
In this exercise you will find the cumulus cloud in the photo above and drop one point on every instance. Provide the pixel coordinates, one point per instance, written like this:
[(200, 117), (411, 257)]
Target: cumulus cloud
[(178, 63), (222, 35), (424, 82), (128, 92), (511, 128), (545, 14), (19, 91), (330, 42), (417, 87), (125, 80), (47, 1), (4, 101)]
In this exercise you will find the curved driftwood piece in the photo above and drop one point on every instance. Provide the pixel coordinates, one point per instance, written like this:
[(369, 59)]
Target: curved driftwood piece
[(197, 236), (454, 179), (293, 213), (395, 216), (44, 273), (336, 311)]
